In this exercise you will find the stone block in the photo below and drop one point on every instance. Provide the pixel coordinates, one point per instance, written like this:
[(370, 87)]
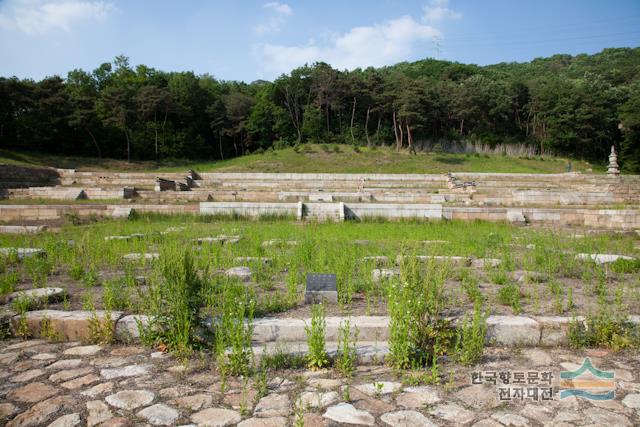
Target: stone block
[(69, 325), (513, 331)]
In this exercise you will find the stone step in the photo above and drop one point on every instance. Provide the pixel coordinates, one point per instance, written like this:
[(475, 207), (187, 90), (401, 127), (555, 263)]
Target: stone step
[(370, 328), (367, 352), (35, 297)]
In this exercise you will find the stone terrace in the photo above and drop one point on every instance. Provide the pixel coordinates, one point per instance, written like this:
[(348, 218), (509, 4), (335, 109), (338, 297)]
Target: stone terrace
[(586, 200)]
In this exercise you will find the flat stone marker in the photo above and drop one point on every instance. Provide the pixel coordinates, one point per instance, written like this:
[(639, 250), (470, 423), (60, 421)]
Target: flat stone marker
[(603, 258), (22, 229), (321, 287), (138, 256), (242, 259), (222, 239), (377, 260), (384, 274), (23, 253), (242, 273), (279, 242)]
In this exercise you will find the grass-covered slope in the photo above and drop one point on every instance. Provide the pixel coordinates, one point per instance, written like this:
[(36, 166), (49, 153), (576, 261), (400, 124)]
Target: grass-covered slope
[(319, 158)]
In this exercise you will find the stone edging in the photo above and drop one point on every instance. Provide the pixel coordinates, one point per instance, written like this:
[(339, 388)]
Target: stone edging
[(508, 331)]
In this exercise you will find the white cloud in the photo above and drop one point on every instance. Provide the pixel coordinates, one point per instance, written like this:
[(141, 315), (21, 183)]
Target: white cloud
[(375, 45), (36, 17), (438, 10), (279, 14), (281, 8)]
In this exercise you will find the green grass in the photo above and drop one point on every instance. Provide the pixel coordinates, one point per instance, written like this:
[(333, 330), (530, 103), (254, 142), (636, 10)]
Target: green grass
[(314, 159)]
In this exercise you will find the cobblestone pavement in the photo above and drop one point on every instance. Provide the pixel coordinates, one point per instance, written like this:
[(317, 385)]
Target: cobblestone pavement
[(70, 384)]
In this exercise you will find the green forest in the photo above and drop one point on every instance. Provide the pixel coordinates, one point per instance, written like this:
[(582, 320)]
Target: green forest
[(577, 106)]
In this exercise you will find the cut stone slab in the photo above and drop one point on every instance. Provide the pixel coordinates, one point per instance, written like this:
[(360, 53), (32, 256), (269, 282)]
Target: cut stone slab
[(22, 229), (555, 330), (149, 256), (80, 382), (478, 396), (86, 350), (69, 325), (36, 297), (418, 397), (44, 356), (602, 258), (379, 388), (68, 374), (384, 274), (32, 392), (65, 364), (66, 421), (486, 262), (38, 414), (264, 422), (273, 405), (603, 417), (346, 413), (27, 376), (125, 372), (22, 253), (159, 415), (99, 389), (513, 331), (130, 399), (121, 212), (242, 273), (632, 401), (318, 399), (128, 327), (453, 413), (538, 357), (98, 412), (194, 402), (406, 419), (508, 419), (215, 417)]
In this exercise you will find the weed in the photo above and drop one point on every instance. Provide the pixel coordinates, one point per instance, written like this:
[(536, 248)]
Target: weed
[(625, 266), (346, 359), (317, 357), (8, 282), (510, 295), (101, 331), (470, 337), (172, 302), (115, 294)]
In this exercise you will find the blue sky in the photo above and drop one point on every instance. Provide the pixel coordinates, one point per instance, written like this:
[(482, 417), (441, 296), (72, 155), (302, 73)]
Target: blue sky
[(248, 40)]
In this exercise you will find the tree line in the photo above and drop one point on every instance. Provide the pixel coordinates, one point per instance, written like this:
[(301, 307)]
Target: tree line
[(571, 105)]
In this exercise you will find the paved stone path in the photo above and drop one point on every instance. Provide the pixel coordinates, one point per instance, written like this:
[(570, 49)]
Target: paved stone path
[(69, 384)]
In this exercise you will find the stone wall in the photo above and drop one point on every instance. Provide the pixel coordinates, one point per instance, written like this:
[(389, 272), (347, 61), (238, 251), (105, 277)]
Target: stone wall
[(13, 176)]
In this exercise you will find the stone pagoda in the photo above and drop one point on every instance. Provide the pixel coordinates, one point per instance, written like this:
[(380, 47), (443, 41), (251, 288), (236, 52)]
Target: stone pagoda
[(613, 163)]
